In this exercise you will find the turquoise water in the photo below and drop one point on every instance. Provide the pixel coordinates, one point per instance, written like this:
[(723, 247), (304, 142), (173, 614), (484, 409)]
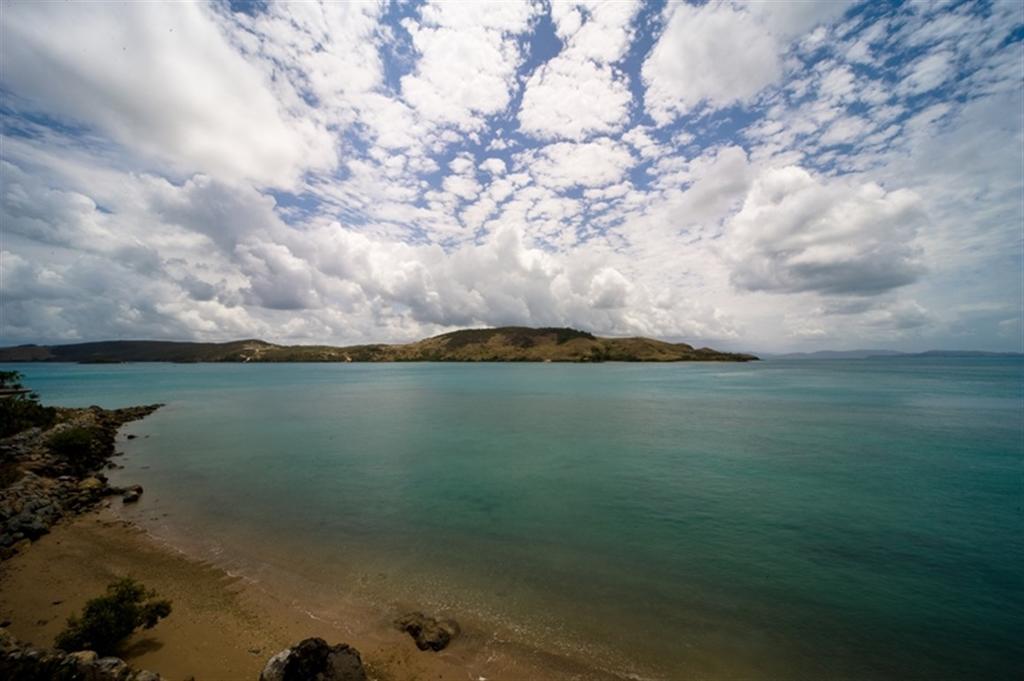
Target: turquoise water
[(816, 519)]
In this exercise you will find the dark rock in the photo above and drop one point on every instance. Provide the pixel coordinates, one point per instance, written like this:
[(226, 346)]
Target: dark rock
[(111, 667), (130, 497), (22, 662), (429, 633), (131, 436), (35, 529), (83, 661), (314, 660)]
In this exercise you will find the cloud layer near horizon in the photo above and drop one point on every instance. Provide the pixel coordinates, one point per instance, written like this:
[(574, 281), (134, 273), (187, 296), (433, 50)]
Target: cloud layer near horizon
[(749, 175)]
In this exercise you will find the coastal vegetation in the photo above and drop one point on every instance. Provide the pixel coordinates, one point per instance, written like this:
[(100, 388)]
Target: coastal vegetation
[(504, 344), (20, 407), (73, 444), (109, 619)]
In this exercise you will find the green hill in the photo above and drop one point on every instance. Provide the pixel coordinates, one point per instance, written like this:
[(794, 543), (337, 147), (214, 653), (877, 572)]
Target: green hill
[(505, 344)]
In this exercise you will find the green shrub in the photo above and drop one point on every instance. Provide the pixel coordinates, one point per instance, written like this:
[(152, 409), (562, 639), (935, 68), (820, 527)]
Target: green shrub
[(72, 443), (108, 620), (22, 411)]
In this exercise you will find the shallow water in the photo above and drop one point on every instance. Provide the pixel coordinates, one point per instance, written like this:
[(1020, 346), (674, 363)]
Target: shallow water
[(849, 519)]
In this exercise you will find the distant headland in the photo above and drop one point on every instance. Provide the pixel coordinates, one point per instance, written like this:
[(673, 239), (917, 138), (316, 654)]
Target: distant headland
[(504, 344)]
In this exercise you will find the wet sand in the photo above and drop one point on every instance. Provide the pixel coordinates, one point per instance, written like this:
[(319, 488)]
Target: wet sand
[(222, 627)]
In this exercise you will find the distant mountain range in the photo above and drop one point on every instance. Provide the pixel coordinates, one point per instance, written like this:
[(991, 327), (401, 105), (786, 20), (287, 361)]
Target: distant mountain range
[(878, 354), (505, 344)]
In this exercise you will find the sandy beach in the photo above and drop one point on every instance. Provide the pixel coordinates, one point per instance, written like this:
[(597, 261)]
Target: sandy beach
[(224, 627)]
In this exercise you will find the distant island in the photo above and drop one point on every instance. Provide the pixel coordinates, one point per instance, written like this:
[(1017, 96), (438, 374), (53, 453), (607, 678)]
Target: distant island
[(504, 344), (893, 354)]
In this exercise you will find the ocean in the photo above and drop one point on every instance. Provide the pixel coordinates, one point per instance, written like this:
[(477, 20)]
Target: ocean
[(841, 519)]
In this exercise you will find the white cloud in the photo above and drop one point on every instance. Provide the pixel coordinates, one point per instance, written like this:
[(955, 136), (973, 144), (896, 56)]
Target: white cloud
[(609, 289), (845, 130), (329, 48), (494, 166), (712, 54), (928, 73), (468, 59), (464, 187), (789, 18), (797, 232), (589, 164), (579, 92), (163, 80), (572, 99), (594, 29)]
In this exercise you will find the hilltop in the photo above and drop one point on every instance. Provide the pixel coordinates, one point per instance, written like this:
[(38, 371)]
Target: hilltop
[(504, 344)]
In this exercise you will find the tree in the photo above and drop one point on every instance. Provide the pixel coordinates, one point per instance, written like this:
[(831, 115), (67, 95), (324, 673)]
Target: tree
[(20, 409), (108, 620)]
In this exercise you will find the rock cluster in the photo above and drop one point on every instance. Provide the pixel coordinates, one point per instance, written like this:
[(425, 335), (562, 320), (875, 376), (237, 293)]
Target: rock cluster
[(314, 660), (429, 633), (41, 486), (22, 662)]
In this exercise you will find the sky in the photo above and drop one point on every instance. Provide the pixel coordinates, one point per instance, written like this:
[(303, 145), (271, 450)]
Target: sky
[(763, 176)]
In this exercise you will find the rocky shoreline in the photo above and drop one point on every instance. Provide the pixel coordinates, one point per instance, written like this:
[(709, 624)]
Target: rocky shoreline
[(51, 474), (20, 661), (43, 483), (54, 474)]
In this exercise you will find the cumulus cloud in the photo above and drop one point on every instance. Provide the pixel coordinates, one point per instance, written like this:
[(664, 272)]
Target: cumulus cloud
[(572, 99), (790, 18), (797, 232), (31, 209), (468, 58), (588, 164), (714, 54), (579, 92)]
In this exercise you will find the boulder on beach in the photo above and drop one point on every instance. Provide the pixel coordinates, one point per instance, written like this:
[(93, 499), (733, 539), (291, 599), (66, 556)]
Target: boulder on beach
[(132, 494), (428, 632), (314, 659), (90, 484)]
